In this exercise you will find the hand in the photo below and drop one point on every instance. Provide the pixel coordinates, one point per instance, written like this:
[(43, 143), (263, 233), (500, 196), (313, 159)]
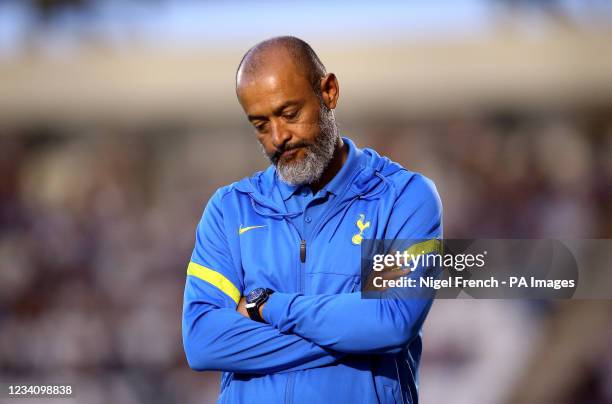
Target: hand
[(242, 309)]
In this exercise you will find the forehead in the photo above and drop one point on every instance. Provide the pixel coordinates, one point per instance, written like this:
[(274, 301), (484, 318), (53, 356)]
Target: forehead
[(271, 86)]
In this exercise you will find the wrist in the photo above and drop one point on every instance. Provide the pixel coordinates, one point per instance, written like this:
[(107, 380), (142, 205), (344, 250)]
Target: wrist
[(255, 301)]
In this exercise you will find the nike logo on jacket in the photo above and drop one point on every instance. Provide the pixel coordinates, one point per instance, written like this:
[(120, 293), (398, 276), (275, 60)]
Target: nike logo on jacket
[(242, 230)]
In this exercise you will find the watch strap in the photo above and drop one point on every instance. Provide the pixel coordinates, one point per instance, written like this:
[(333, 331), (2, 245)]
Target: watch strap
[(253, 310)]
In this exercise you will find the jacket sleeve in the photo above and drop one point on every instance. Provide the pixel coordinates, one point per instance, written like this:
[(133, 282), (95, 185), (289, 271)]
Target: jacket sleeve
[(215, 335), (348, 323)]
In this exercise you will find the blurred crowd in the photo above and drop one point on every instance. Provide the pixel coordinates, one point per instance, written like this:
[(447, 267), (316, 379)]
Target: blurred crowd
[(97, 223), (96, 229)]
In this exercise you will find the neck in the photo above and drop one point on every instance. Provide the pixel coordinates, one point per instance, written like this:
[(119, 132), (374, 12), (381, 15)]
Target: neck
[(334, 166)]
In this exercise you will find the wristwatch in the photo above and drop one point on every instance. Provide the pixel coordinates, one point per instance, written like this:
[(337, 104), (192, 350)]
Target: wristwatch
[(254, 300)]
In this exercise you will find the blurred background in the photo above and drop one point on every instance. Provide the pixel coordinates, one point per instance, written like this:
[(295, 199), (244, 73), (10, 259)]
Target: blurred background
[(118, 120)]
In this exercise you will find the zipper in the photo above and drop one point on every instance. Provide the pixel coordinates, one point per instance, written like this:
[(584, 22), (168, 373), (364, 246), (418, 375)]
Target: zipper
[(303, 251), (302, 274), (302, 254), (300, 287)]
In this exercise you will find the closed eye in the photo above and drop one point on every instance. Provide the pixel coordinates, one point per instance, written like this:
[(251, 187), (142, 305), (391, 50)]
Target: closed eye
[(290, 115), (261, 126)]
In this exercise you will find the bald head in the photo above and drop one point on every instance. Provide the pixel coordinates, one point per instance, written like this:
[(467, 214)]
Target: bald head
[(279, 52)]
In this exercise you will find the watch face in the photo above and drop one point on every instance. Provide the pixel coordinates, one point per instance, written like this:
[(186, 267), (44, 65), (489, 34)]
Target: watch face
[(255, 295)]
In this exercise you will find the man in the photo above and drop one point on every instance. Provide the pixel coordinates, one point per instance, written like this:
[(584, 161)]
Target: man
[(272, 295)]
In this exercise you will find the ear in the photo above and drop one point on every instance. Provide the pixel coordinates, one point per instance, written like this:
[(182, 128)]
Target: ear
[(330, 90)]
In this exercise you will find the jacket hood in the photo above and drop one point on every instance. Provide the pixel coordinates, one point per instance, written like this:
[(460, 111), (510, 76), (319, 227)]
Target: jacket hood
[(370, 180)]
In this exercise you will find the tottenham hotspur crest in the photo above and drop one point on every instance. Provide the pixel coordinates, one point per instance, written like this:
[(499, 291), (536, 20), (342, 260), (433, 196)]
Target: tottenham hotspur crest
[(358, 238)]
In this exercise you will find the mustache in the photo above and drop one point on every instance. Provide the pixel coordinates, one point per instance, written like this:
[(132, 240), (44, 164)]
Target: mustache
[(278, 152)]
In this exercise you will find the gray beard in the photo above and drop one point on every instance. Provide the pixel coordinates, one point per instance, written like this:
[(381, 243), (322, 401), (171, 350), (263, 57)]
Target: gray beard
[(317, 155)]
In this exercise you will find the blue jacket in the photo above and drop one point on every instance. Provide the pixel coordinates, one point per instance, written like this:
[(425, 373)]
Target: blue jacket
[(323, 342)]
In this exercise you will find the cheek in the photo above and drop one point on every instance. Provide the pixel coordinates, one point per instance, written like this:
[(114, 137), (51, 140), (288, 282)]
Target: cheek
[(308, 130), (266, 145)]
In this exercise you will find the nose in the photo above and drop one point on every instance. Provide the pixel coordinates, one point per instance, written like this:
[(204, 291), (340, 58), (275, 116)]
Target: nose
[(280, 134)]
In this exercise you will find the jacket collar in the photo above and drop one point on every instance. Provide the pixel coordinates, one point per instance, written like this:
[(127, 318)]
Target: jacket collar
[(367, 181)]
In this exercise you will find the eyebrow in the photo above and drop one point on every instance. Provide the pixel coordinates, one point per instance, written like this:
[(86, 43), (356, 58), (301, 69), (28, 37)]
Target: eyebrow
[(277, 111)]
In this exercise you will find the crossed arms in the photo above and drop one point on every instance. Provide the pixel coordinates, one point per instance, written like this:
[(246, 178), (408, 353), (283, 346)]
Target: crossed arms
[(302, 332)]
